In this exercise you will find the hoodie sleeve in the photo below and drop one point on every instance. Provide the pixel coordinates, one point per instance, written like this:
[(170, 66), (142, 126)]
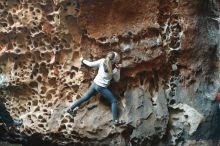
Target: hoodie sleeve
[(116, 75), (92, 63)]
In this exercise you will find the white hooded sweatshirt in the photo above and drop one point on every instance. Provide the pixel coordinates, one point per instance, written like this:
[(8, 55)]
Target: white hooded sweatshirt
[(102, 78)]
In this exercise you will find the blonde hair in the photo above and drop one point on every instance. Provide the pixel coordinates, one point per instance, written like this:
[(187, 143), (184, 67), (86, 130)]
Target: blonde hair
[(111, 57)]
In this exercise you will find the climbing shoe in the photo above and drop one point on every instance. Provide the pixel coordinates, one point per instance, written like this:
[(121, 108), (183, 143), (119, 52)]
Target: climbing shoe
[(17, 122), (119, 122), (71, 112), (13, 131)]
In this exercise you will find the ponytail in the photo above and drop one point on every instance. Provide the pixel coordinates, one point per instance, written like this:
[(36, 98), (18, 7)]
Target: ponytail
[(108, 65), (108, 62)]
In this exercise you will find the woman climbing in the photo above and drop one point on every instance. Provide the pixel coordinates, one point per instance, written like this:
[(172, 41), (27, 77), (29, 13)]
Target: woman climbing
[(107, 71)]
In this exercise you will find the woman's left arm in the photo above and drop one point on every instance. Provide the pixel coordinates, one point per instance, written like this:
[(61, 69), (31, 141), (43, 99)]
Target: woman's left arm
[(116, 74)]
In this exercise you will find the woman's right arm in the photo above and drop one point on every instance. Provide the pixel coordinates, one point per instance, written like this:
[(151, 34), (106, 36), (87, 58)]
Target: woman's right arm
[(92, 63), (116, 74)]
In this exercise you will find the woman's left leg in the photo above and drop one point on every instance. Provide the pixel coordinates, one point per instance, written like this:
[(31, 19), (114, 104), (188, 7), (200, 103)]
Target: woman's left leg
[(111, 98)]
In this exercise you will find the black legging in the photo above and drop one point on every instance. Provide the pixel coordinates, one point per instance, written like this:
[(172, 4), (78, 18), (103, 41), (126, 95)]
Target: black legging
[(5, 115)]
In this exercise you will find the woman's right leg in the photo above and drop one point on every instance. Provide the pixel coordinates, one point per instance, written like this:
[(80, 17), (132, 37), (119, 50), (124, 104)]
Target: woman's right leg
[(88, 95)]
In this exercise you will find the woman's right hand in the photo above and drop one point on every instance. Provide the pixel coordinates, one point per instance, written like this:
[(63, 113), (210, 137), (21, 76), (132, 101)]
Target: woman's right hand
[(81, 60), (118, 66)]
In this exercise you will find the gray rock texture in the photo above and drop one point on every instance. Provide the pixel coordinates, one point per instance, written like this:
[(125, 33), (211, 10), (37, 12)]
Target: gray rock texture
[(169, 77)]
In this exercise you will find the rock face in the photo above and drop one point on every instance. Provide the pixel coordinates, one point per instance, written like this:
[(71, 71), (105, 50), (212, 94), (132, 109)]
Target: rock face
[(170, 64)]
